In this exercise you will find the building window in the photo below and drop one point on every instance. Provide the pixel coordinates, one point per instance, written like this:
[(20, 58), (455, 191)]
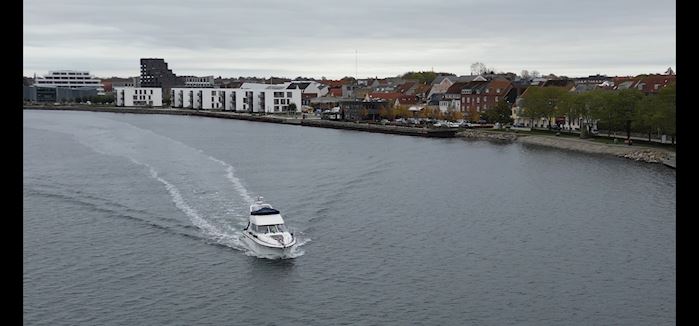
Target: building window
[(213, 93), (288, 94), (276, 101)]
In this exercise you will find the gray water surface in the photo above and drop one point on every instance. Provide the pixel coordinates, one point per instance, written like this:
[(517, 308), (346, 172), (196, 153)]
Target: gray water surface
[(134, 220)]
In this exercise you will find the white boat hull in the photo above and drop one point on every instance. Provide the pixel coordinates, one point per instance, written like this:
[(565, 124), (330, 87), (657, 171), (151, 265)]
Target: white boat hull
[(267, 251)]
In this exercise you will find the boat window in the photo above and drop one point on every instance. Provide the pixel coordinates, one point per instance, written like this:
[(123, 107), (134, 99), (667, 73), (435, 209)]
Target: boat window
[(261, 229), (273, 229), (281, 228)]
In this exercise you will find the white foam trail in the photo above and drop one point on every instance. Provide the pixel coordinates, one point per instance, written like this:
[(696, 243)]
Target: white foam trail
[(170, 158), (235, 181), (193, 215)]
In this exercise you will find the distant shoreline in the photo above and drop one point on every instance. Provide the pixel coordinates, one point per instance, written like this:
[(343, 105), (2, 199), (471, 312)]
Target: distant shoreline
[(636, 152), (310, 122)]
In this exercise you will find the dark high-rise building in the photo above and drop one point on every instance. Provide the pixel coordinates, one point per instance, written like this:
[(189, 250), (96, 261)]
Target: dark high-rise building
[(154, 73)]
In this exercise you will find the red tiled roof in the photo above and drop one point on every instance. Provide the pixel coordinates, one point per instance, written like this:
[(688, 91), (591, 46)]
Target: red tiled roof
[(334, 83), (423, 89), (456, 88), (385, 96), (649, 82), (503, 85)]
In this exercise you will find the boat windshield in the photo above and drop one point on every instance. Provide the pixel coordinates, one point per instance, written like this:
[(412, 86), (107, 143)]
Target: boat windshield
[(271, 228)]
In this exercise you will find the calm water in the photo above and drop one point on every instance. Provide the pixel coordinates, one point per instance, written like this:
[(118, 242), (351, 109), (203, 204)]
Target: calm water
[(134, 220)]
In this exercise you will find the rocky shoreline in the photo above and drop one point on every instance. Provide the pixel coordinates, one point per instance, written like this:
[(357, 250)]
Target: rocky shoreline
[(636, 153), (485, 135)]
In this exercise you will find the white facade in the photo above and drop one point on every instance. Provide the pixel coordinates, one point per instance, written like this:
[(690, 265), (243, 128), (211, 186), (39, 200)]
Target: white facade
[(68, 78), (249, 97), (138, 96)]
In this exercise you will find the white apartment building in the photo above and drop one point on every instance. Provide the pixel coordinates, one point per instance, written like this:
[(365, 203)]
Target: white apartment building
[(250, 97), (138, 96)]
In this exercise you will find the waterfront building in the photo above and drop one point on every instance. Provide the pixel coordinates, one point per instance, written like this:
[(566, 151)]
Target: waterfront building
[(138, 96), (69, 79), (479, 96), (155, 73), (49, 94), (250, 97)]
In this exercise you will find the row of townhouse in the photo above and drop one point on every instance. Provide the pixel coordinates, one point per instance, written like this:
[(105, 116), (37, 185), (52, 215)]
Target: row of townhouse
[(648, 84), (250, 97), (476, 96)]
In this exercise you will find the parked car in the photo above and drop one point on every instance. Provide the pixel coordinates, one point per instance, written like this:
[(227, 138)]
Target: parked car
[(438, 124)]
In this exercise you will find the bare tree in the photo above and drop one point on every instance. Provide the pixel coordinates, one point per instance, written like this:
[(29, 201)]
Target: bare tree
[(535, 74), (525, 74), (478, 68)]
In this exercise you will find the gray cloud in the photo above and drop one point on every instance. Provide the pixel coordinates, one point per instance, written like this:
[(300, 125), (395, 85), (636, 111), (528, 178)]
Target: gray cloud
[(318, 38)]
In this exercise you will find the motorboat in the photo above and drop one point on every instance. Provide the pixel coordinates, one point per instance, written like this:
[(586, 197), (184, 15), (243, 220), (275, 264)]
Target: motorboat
[(266, 233)]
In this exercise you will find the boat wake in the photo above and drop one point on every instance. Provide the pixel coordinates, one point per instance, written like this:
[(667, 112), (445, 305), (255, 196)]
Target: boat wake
[(191, 177)]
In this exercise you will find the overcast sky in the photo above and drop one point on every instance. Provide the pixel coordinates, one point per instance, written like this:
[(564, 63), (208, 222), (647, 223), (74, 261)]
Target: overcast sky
[(311, 38)]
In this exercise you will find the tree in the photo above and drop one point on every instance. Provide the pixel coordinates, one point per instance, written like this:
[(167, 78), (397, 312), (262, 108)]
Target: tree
[(541, 102), (649, 115), (526, 75), (424, 77), (402, 111), (292, 107), (668, 110), (478, 68), (363, 113), (425, 113), (624, 106), (535, 74), (501, 113)]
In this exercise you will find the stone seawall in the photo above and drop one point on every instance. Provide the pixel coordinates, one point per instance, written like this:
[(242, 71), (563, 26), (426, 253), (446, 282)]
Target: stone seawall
[(636, 152), (485, 135), (387, 129)]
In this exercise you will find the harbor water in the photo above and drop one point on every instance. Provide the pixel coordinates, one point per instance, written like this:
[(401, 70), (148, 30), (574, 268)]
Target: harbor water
[(134, 220)]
